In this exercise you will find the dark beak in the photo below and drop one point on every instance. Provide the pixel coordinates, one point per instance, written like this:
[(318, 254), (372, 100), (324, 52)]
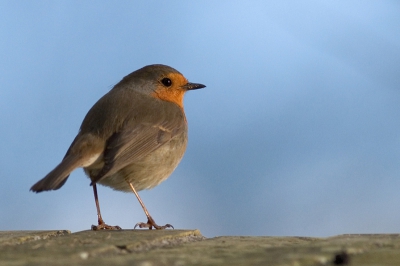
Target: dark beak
[(193, 86)]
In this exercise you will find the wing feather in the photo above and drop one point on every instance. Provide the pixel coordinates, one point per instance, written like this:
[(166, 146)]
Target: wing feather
[(137, 139)]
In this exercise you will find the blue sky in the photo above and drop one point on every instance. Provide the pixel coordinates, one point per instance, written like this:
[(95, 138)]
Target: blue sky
[(297, 132)]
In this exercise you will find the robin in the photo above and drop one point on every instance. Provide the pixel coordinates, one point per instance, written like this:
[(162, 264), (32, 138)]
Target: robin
[(132, 139)]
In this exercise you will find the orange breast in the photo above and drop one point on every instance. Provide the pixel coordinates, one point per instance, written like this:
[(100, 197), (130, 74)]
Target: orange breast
[(170, 95)]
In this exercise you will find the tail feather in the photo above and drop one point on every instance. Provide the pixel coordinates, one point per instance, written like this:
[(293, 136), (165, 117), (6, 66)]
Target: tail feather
[(57, 178)]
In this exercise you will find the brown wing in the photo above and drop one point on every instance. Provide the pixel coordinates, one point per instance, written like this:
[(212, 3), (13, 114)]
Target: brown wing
[(136, 139)]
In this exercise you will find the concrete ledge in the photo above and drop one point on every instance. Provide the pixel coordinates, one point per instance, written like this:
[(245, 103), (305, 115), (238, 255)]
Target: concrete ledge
[(189, 247)]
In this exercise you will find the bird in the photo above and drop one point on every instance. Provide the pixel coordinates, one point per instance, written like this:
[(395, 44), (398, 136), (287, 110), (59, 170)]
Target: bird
[(131, 139)]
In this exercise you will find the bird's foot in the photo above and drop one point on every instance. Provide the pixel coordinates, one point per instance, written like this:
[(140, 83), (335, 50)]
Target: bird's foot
[(103, 226), (150, 224)]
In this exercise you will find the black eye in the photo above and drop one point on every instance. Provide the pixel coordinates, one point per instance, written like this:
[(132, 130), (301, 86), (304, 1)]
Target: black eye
[(166, 81)]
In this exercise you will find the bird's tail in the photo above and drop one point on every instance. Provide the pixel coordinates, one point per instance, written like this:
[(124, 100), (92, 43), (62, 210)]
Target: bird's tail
[(57, 178)]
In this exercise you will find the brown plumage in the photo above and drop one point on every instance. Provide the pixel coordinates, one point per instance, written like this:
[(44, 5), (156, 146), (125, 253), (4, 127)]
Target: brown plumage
[(132, 138)]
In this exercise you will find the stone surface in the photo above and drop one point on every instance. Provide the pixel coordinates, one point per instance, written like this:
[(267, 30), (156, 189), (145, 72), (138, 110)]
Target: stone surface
[(20, 237), (189, 247)]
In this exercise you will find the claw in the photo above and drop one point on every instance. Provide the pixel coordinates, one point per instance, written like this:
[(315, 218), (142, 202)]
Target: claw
[(104, 226), (150, 224)]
